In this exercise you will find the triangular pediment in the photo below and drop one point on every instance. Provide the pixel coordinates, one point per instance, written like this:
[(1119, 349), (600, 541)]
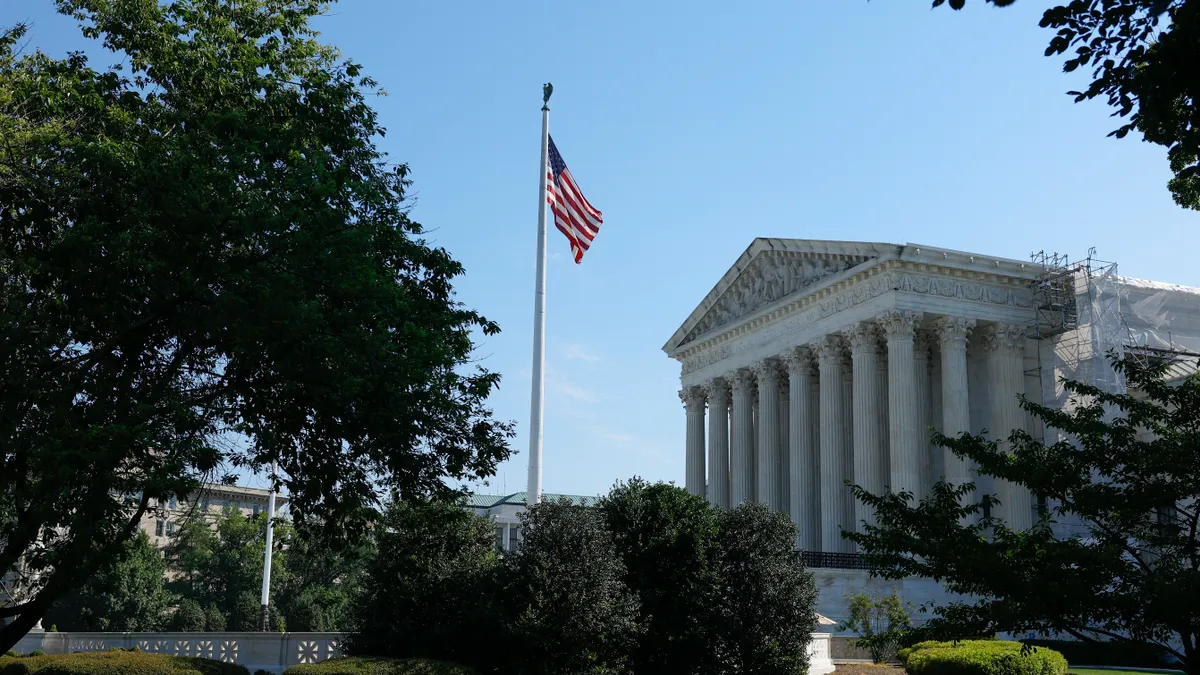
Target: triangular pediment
[(769, 271)]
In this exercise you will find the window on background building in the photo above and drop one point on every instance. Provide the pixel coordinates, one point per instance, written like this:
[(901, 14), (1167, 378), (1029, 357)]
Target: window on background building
[(158, 528), (256, 510), (514, 537), (174, 504), (500, 538), (170, 528)]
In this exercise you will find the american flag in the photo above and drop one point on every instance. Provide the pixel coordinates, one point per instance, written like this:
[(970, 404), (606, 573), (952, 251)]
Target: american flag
[(573, 215)]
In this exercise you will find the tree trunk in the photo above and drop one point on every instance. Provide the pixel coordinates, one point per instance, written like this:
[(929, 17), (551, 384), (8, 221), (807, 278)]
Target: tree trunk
[(11, 634)]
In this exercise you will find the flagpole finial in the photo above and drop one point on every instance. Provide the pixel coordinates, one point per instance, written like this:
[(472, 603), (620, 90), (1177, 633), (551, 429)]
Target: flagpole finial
[(547, 89)]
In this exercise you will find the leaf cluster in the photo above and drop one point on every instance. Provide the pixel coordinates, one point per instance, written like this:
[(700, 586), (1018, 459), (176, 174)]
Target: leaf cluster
[(1142, 55), (1114, 555)]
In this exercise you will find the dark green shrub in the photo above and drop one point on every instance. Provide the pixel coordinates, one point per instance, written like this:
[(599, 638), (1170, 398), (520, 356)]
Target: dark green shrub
[(360, 665), (765, 611), (1126, 654), (214, 620), (116, 663), (567, 609), (981, 657), (667, 539), (426, 591), (11, 653), (188, 617)]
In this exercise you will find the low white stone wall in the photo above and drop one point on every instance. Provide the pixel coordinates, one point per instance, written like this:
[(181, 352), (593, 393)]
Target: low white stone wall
[(272, 652)]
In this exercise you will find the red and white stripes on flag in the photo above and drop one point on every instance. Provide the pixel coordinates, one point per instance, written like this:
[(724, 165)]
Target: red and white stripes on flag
[(573, 215)]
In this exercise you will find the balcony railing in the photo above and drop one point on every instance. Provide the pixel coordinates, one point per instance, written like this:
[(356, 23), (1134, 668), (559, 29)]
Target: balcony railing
[(841, 561)]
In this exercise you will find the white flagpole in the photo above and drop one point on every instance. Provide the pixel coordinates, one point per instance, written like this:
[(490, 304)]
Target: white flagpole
[(266, 585), (533, 493)]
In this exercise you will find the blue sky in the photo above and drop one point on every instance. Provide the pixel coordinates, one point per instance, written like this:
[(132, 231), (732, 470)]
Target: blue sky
[(698, 126)]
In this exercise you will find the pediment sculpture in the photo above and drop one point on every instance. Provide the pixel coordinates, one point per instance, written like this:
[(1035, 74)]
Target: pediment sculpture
[(771, 276)]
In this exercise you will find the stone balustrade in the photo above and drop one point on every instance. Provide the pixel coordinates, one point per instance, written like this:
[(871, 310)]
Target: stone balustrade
[(273, 652)]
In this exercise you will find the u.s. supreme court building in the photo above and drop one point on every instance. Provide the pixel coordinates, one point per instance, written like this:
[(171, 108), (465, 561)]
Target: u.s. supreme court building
[(812, 363)]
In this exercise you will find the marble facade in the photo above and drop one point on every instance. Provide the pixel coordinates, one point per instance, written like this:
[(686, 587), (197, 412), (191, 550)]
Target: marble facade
[(813, 363)]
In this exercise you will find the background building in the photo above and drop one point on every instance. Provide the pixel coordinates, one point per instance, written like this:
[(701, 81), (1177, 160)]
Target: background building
[(505, 511), (210, 501)]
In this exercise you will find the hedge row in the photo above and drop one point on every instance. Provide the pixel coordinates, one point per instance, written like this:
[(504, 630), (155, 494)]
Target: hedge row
[(115, 662), (980, 657), (1109, 653), (361, 665)]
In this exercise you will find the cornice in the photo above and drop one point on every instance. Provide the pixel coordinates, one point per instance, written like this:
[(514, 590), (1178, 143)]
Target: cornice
[(836, 295)]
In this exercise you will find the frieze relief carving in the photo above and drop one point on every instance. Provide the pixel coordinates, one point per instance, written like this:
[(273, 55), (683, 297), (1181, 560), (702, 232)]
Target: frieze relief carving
[(771, 276), (860, 293)]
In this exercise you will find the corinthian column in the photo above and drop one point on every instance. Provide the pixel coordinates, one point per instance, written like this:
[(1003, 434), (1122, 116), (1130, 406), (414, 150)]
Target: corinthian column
[(903, 426), (924, 411), (802, 461), (767, 374), (864, 354), (784, 427), (952, 334), (833, 444), (693, 401), (741, 438), (1005, 345), (717, 391)]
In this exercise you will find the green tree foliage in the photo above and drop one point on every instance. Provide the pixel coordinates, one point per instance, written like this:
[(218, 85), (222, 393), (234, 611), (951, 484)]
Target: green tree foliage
[(126, 594), (427, 589), (220, 568), (1143, 56), (764, 614), (878, 622), (667, 539), (203, 243), (568, 610), (318, 589), (1130, 491), (190, 617)]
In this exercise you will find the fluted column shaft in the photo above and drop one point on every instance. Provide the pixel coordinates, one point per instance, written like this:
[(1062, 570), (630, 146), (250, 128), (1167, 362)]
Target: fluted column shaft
[(718, 442), (952, 334), (924, 412), (783, 472), (767, 374), (833, 505), (868, 437), (693, 401), (1005, 345), (883, 458), (741, 439), (802, 460), (903, 425)]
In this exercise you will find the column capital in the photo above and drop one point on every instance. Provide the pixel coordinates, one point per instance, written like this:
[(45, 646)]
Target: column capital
[(922, 341), (766, 372), (1004, 337), (741, 381), (717, 391), (898, 324), (799, 359), (693, 398), (953, 329), (830, 349), (863, 338)]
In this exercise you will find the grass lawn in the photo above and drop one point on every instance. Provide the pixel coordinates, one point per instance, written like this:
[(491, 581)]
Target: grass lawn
[(1096, 671), (1105, 671)]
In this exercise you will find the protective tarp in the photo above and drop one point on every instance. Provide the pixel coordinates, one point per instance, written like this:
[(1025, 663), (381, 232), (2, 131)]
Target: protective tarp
[(1160, 316)]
